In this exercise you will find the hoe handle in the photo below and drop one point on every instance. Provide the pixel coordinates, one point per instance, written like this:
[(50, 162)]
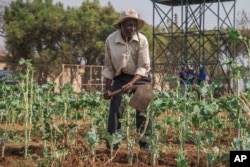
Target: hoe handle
[(120, 90), (147, 86)]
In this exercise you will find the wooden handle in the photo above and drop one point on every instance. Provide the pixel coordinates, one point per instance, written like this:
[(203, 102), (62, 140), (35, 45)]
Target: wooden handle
[(116, 92), (120, 90)]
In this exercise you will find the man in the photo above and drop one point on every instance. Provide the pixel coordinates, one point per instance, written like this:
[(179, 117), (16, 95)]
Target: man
[(127, 63)]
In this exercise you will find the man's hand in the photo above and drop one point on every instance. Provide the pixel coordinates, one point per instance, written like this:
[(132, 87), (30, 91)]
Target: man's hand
[(126, 87), (107, 95), (107, 92)]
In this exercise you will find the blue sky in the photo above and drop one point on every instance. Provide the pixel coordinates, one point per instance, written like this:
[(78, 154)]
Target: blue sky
[(143, 7)]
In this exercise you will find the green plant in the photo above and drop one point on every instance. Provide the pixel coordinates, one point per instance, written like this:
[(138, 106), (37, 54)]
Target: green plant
[(197, 141), (92, 138), (181, 159), (27, 88), (212, 156)]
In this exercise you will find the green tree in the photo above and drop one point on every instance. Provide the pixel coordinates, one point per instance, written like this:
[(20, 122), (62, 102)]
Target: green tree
[(3, 3), (34, 30), (1, 18), (46, 33), (96, 24), (50, 34)]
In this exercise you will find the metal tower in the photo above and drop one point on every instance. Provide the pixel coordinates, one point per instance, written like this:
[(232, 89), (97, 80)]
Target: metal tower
[(191, 33)]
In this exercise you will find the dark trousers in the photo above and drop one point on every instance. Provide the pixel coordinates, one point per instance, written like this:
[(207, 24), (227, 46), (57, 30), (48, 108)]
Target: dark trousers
[(117, 107)]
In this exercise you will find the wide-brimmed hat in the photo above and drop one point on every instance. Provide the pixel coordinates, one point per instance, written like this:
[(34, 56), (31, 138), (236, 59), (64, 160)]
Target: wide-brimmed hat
[(129, 14)]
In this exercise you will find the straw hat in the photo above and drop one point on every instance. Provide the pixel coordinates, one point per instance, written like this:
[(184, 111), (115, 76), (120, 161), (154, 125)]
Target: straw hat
[(130, 14)]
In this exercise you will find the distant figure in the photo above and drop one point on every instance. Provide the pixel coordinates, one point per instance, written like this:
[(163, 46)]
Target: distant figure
[(202, 76), (183, 76), (190, 76)]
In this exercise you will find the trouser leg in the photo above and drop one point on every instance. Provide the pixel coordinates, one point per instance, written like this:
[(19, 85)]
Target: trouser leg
[(115, 111), (141, 121), (117, 105)]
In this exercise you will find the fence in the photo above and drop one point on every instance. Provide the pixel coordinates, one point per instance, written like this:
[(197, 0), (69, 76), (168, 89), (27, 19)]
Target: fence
[(82, 77), (86, 78)]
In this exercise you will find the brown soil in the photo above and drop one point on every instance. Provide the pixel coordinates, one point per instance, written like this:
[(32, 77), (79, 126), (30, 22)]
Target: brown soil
[(14, 158), (79, 150)]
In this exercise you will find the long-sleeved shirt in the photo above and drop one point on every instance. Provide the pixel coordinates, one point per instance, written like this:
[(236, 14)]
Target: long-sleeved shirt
[(129, 58)]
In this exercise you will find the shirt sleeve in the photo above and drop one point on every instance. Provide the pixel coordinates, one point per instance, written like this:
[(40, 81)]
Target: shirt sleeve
[(108, 71), (143, 65)]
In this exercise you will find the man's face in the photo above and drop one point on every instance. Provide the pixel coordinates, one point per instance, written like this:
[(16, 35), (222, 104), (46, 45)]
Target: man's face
[(129, 27)]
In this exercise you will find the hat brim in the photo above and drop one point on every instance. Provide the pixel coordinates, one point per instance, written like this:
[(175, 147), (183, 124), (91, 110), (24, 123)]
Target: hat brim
[(140, 22)]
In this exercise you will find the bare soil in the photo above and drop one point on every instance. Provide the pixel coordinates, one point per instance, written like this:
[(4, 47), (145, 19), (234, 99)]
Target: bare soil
[(79, 150), (14, 158)]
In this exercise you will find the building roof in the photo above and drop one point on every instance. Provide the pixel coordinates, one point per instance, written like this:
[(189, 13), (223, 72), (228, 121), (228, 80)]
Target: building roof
[(183, 2)]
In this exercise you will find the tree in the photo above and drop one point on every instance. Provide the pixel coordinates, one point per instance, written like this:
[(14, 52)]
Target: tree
[(243, 24), (33, 30), (1, 19), (3, 3), (96, 24), (46, 33), (49, 34), (243, 20)]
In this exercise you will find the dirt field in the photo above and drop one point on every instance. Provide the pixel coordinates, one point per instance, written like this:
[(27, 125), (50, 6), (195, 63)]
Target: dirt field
[(14, 157), (141, 157)]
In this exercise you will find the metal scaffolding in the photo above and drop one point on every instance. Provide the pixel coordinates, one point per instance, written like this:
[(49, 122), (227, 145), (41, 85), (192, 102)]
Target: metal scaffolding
[(191, 33)]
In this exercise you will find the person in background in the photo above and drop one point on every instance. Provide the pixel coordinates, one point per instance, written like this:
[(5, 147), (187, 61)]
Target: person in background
[(190, 76), (202, 76), (183, 77), (127, 63)]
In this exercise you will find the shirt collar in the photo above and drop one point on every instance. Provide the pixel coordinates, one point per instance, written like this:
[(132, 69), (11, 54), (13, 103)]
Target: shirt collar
[(119, 39)]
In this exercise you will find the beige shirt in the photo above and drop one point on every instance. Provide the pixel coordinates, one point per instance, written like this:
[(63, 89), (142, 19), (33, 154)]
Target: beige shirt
[(130, 58)]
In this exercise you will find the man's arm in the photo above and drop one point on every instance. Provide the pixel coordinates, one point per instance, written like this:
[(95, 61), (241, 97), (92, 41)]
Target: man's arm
[(107, 92), (136, 78)]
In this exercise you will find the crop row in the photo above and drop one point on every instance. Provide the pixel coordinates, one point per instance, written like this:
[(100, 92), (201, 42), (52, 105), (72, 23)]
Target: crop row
[(59, 119)]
